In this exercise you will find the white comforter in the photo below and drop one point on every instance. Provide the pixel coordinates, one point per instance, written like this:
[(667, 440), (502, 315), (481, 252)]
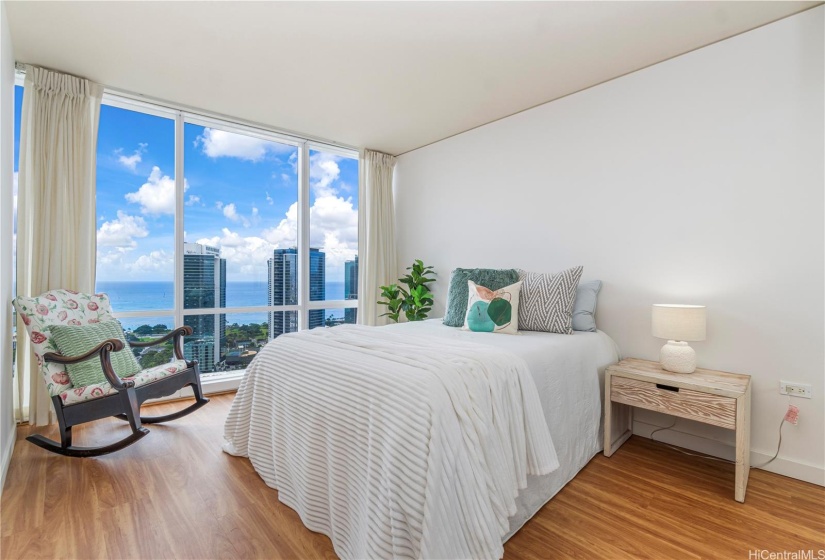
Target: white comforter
[(395, 444)]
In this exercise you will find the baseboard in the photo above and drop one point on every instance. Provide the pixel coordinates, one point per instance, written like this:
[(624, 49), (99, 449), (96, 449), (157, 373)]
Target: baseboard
[(8, 449), (785, 467)]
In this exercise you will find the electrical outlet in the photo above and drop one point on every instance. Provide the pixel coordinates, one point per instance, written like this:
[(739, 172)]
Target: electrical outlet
[(795, 389)]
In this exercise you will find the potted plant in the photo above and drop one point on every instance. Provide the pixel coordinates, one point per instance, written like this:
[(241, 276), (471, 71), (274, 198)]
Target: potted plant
[(414, 301)]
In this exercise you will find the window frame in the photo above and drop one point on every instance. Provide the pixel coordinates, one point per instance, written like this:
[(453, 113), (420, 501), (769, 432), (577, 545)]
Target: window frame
[(181, 116)]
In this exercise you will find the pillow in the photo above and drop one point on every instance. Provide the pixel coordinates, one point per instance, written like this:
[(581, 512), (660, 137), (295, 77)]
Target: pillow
[(492, 311), (458, 294), (584, 308), (74, 340), (547, 300)]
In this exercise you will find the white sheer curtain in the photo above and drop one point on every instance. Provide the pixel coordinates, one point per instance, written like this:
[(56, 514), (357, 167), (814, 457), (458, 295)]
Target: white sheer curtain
[(378, 259), (56, 207)]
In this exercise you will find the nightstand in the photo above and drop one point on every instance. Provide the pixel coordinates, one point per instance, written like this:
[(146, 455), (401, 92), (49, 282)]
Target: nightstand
[(713, 397)]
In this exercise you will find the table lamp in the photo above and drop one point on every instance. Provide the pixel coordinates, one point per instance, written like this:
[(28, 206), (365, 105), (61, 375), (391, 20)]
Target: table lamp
[(678, 324)]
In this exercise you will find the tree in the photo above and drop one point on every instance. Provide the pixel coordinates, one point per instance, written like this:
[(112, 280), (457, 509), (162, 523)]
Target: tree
[(157, 358), (143, 330)]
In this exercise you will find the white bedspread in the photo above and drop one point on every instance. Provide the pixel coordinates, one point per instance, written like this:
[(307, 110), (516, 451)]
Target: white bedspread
[(568, 371), (394, 443)]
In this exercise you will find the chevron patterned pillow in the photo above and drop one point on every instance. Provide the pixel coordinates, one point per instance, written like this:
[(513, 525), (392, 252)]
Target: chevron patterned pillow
[(547, 300)]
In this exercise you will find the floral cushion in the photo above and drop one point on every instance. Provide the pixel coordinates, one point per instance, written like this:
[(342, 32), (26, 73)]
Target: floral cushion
[(58, 307), (80, 394)]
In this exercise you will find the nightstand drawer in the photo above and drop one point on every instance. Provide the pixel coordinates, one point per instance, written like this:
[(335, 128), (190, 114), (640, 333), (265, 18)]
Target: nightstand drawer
[(685, 403)]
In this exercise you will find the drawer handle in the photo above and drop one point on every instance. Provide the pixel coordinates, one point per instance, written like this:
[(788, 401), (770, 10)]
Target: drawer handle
[(667, 387)]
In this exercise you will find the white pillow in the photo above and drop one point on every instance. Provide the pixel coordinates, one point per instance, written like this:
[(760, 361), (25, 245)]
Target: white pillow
[(492, 311)]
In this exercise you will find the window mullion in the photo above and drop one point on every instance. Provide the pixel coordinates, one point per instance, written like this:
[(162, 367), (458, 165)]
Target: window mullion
[(179, 200), (303, 236)]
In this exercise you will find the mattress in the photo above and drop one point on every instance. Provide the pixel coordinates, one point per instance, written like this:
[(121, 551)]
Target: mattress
[(569, 374)]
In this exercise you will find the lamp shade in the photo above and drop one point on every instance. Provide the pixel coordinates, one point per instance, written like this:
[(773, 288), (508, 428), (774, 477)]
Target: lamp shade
[(678, 322)]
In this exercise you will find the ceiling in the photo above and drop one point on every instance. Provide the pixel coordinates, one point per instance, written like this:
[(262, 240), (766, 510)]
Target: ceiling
[(391, 76)]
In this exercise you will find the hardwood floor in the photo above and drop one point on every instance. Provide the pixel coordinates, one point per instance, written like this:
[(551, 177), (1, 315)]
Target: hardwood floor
[(174, 494)]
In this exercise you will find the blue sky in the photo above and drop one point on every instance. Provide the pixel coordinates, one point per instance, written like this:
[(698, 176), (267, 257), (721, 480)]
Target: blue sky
[(241, 195)]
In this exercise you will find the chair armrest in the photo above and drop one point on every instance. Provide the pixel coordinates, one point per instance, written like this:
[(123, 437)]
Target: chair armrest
[(103, 350), (176, 334)]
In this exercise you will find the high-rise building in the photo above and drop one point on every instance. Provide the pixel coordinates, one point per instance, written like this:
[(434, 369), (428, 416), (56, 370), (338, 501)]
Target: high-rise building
[(201, 349), (351, 288), (283, 288), (204, 286)]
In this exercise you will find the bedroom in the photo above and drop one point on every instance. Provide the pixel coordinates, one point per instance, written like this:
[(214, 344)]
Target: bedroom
[(674, 151)]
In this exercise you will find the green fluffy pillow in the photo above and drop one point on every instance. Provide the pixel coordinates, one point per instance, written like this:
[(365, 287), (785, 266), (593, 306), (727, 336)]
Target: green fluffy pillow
[(75, 340), (458, 294)]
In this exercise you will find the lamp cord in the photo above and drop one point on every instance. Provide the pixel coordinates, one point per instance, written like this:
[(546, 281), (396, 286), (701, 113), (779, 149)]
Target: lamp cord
[(680, 450)]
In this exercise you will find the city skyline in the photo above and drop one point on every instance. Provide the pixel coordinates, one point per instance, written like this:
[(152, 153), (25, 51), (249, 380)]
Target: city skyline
[(205, 287)]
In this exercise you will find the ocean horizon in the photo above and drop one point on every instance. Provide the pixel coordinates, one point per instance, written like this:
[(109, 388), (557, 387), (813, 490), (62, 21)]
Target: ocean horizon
[(147, 296)]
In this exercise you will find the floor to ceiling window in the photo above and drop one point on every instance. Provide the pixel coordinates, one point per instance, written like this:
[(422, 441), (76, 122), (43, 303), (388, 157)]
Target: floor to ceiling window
[(240, 233)]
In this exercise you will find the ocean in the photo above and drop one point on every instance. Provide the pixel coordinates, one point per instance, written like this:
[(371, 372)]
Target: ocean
[(145, 296)]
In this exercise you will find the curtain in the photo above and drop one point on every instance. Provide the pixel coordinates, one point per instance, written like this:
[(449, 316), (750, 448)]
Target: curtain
[(377, 225), (56, 223)]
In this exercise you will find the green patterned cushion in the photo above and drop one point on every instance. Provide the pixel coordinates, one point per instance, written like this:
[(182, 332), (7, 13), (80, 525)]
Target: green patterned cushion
[(492, 311), (74, 340), (458, 294)]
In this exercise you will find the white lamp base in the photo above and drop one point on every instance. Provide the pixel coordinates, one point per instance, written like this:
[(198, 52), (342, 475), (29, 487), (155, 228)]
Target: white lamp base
[(678, 357)]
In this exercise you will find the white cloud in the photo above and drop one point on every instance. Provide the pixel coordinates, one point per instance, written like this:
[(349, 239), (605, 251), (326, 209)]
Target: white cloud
[(155, 261), (285, 234), (130, 162), (116, 239), (323, 172), (333, 229), (269, 199), (193, 199), (121, 232), (157, 195), (230, 211), (219, 143), (219, 205), (244, 255)]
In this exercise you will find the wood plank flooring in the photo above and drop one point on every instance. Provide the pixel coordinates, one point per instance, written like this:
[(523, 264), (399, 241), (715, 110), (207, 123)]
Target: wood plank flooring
[(174, 494)]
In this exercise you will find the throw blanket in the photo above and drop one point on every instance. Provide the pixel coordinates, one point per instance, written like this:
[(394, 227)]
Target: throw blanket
[(393, 444)]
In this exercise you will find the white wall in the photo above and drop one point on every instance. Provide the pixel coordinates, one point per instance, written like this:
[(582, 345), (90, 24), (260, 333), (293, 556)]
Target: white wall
[(7, 426), (698, 180)]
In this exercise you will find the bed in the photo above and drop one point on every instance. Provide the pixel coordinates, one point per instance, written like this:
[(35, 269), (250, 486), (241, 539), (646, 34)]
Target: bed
[(420, 440)]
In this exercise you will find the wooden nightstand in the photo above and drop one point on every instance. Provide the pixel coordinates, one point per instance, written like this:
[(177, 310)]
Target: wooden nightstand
[(713, 397)]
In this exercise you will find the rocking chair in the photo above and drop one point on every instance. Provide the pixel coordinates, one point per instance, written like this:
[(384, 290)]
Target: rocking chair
[(118, 397)]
